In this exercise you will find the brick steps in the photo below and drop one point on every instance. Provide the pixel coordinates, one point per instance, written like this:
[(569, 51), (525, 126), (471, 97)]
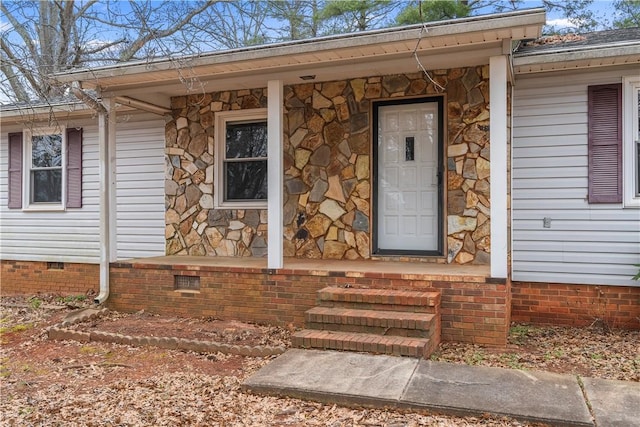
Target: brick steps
[(382, 322), (398, 322), (379, 299), (370, 343)]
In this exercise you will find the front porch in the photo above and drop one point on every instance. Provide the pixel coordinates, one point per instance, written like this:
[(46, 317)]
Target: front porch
[(474, 307)]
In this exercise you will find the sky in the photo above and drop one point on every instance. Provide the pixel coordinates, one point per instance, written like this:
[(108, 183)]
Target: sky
[(603, 9)]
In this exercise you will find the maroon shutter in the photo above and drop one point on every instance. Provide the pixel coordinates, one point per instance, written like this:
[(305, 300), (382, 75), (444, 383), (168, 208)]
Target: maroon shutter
[(605, 143), (74, 168), (15, 171)]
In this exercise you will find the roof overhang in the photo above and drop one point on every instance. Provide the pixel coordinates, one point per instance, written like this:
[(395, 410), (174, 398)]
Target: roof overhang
[(16, 114), (458, 42), (618, 54), (49, 113)]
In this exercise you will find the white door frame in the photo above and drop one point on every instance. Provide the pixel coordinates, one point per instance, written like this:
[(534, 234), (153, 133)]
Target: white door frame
[(376, 249)]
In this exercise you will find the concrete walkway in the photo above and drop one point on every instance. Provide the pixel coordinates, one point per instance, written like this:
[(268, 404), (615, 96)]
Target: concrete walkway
[(389, 381)]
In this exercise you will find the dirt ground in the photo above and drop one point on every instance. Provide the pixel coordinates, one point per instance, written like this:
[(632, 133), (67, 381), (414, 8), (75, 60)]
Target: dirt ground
[(51, 383)]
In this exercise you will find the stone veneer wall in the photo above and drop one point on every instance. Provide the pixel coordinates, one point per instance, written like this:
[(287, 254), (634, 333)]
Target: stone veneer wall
[(328, 147), (193, 226)]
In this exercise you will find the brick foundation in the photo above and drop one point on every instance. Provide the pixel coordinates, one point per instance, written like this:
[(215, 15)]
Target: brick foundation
[(35, 277), (576, 305), (472, 309), (475, 312)]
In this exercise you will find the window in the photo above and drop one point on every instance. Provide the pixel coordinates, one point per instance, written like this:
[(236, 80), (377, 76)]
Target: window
[(631, 144), (241, 160), (45, 169)]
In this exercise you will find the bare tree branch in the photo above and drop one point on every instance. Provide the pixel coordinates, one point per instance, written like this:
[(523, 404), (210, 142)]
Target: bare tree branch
[(152, 34)]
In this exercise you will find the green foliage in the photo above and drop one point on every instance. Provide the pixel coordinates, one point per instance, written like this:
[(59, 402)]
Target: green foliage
[(556, 353), (474, 358), (577, 12), (71, 298), (512, 360), (520, 333), (298, 19), (21, 327), (357, 15), (433, 10), (627, 16), (637, 276), (35, 302)]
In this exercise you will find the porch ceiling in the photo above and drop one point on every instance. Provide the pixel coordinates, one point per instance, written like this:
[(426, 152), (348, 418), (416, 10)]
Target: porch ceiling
[(468, 41)]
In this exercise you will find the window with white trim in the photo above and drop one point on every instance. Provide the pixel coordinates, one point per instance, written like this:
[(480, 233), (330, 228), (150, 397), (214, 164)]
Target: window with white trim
[(241, 158), (631, 140), (44, 168)]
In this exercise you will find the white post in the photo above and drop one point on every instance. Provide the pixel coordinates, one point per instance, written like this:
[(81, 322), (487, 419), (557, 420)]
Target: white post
[(275, 174), (498, 151)]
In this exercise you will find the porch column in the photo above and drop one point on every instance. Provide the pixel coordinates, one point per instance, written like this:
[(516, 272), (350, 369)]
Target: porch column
[(275, 174), (498, 68)]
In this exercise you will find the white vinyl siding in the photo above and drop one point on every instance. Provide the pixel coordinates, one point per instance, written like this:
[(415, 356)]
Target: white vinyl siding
[(140, 189), (73, 235), (64, 236), (586, 243)]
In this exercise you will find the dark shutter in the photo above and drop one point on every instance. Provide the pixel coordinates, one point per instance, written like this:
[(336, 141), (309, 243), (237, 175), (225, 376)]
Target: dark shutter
[(605, 143), (74, 168), (15, 171)]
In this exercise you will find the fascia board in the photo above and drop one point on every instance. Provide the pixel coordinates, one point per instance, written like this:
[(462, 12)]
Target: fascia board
[(41, 113), (624, 53)]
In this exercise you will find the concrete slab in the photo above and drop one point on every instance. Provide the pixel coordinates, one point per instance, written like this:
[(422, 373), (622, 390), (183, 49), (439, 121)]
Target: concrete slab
[(614, 403), (533, 396), (334, 376)]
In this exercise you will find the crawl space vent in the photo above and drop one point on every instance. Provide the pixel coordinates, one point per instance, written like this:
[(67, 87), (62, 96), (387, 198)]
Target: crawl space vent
[(186, 283)]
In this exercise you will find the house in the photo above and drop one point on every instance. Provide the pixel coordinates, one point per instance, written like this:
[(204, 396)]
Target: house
[(241, 183), (576, 179), (55, 247)]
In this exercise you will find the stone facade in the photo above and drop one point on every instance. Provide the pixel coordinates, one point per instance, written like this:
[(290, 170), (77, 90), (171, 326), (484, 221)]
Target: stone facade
[(327, 162), (193, 226)]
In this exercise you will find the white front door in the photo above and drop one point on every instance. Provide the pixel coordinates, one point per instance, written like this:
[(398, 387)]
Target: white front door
[(407, 180)]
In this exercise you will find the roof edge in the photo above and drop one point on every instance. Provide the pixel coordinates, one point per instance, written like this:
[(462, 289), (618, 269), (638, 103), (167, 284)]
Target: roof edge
[(437, 28)]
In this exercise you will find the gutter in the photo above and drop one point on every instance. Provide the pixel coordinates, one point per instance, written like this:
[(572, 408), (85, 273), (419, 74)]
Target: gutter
[(142, 105), (103, 144)]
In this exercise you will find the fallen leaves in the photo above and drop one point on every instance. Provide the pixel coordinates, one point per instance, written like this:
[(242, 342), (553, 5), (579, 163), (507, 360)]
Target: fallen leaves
[(589, 351), (50, 383)]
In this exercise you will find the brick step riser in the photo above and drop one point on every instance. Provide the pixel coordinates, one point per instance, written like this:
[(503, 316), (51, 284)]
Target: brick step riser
[(371, 322), (385, 307), (373, 330), (376, 348), (408, 303), (365, 296), (382, 319)]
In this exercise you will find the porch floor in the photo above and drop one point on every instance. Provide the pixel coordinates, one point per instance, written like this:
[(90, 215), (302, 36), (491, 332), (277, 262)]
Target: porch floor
[(296, 264)]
